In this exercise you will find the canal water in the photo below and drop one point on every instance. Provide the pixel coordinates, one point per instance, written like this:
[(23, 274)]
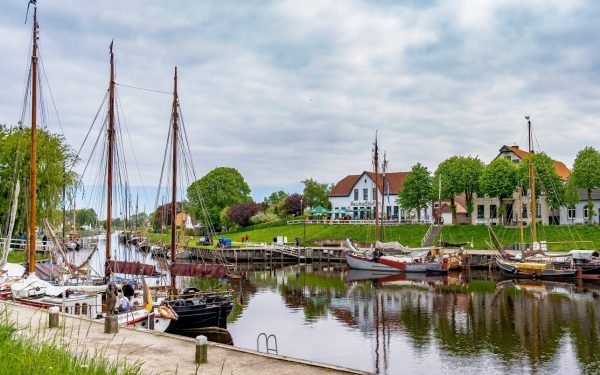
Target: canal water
[(463, 323)]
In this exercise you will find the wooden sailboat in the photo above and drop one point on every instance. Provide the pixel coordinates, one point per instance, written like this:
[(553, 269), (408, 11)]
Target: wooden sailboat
[(376, 259), (531, 268), (194, 310)]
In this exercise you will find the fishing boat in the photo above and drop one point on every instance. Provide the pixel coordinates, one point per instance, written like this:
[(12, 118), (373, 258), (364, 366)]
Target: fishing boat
[(427, 260), (527, 266)]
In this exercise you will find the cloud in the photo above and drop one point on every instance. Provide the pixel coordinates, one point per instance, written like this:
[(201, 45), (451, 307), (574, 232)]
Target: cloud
[(284, 90)]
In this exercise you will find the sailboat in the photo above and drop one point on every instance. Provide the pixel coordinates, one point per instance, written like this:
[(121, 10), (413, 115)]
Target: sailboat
[(426, 260), (527, 266), (193, 308)]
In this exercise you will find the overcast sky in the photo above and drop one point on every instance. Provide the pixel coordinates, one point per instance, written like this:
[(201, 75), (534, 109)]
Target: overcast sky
[(286, 90)]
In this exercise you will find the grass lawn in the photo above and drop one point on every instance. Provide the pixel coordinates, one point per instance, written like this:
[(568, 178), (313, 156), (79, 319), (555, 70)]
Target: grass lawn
[(567, 235), (21, 257), (26, 356)]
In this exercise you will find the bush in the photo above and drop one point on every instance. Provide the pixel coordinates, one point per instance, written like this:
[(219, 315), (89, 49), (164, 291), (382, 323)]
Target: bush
[(263, 217), (240, 214)]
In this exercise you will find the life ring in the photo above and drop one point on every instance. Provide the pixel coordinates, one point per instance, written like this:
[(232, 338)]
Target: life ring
[(166, 312)]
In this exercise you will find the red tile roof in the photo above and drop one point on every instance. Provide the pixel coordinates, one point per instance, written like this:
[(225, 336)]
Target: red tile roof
[(561, 169), (394, 179)]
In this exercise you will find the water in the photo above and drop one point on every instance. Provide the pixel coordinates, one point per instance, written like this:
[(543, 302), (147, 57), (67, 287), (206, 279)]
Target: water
[(457, 324)]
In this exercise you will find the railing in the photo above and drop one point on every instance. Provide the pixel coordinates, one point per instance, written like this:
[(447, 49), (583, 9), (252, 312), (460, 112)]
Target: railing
[(358, 222), (18, 244), (426, 236)]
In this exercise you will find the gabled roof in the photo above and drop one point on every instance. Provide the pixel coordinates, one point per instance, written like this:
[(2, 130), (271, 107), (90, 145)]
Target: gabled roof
[(395, 181), (561, 169)]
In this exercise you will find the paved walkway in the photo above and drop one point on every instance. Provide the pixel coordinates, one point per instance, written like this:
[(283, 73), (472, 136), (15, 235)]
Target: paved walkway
[(158, 353)]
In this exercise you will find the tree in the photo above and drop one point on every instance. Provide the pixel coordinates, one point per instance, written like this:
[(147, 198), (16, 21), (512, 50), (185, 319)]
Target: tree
[(586, 174), (317, 194), (274, 202), (220, 188), (417, 191), (86, 216), (459, 175), (53, 154), (571, 193), (499, 180), (162, 216), (241, 213), (295, 204), (547, 181)]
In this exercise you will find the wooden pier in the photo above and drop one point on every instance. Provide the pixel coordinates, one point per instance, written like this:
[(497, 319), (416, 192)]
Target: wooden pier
[(271, 253)]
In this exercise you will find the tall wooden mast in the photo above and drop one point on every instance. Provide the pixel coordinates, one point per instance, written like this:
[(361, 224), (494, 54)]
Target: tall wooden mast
[(33, 166), (174, 182), (376, 161), (109, 167), (532, 185)]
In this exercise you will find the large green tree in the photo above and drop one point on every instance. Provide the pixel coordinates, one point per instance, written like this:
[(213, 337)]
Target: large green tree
[(499, 180), (274, 202), (316, 193), (222, 187), (547, 181), (586, 174), (86, 216), (417, 192), (53, 154), (459, 175)]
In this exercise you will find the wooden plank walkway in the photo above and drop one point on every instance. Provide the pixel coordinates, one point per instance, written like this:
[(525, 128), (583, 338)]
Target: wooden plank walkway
[(158, 353)]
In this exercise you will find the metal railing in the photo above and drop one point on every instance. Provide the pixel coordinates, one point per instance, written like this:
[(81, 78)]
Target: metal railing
[(18, 244), (358, 222)]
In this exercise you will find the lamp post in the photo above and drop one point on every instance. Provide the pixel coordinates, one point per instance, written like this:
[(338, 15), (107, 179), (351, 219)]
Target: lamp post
[(304, 219)]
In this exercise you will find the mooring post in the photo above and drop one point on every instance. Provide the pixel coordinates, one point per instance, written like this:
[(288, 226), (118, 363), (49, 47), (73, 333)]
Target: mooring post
[(111, 324), (53, 317), (201, 349)]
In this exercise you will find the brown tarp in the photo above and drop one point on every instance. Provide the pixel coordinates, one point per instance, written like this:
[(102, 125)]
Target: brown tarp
[(204, 270), (131, 268), (48, 271)]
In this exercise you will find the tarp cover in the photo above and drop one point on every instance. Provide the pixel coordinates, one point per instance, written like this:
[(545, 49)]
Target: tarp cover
[(584, 254), (48, 271), (204, 270), (131, 268)]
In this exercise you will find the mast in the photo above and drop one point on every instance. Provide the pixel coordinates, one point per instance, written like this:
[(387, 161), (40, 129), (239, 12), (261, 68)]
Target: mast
[(521, 225), (383, 194), (33, 166), (174, 183), (64, 205), (111, 135), (376, 161), (532, 185)]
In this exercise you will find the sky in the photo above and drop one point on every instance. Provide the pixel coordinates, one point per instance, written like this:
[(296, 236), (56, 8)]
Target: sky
[(289, 90)]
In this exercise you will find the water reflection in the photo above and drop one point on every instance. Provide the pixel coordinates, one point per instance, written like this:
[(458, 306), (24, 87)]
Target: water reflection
[(460, 323)]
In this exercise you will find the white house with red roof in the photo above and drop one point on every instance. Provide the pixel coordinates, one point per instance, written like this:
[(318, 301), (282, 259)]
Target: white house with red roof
[(355, 194), (487, 210)]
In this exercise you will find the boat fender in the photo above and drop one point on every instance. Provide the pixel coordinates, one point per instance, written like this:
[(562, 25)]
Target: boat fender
[(166, 313)]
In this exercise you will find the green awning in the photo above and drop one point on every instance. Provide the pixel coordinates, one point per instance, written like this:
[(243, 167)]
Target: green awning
[(319, 210)]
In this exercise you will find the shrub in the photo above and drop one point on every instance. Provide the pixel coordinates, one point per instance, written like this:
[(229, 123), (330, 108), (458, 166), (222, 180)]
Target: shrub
[(263, 217)]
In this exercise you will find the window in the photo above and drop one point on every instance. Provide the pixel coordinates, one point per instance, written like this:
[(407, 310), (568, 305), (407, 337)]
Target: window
[(480, 211), (388, 212), (396, 212), (374, 193), (355, 194), (436, 205), (538, 214), (571, 213), (493, 211), (524, 211), (366, 194), (585, 213)]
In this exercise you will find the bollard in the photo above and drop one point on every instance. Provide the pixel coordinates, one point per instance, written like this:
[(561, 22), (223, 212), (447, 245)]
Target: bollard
[(201, 349), (53, 316), (111, 324)]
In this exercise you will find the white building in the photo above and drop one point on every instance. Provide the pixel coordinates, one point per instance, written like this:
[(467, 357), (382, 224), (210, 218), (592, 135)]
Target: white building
[(579, 214), (355, 194)]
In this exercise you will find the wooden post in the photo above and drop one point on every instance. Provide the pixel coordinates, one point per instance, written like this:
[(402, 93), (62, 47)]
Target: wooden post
[(53, 317), (201, 349), (111, 324)]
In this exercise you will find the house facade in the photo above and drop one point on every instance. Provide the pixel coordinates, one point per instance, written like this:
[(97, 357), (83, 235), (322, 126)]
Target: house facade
[(355, 195), (578, 214), (491, 210)]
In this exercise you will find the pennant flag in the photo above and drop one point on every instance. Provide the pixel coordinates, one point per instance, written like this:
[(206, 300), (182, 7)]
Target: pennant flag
[(148, 304)]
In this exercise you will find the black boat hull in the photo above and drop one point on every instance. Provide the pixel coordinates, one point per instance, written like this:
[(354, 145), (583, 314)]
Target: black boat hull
[(200, 315)]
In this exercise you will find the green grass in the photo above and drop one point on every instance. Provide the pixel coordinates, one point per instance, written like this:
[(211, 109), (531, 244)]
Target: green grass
[(567, 235), (22, 355), (21, 257)]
